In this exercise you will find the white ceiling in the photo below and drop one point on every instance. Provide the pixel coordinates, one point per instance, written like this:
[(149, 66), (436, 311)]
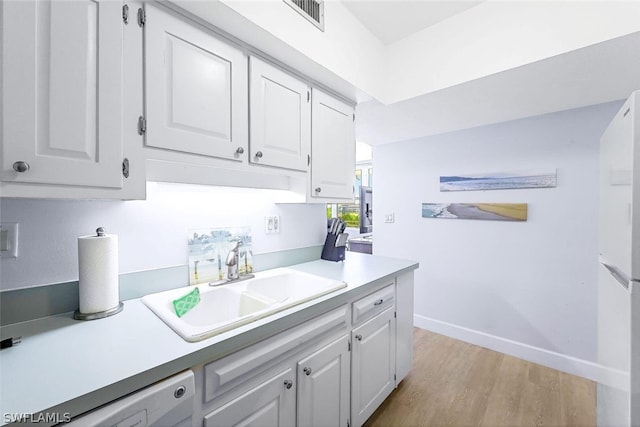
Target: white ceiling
[(392, 20), (596, 74)]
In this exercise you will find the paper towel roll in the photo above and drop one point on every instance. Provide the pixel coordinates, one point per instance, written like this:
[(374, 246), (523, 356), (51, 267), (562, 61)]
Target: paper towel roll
[(98, 273)]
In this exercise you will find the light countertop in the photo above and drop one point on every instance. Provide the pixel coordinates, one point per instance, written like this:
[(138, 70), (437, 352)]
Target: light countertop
[(64, 365)]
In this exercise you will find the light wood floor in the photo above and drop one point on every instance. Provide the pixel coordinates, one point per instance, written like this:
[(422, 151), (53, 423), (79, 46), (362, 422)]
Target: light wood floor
[(453, 383)]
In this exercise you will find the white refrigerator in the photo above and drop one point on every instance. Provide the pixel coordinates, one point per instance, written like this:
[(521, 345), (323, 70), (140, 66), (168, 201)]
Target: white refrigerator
[(618, 392)]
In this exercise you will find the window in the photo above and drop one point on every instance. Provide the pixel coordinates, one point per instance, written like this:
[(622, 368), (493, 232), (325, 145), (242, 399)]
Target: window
[(350, 212)]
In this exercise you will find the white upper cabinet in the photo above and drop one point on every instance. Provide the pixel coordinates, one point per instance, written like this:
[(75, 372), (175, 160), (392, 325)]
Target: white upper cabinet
[(75, 81), (280, 117), (196, 89), (62, 92), (333, 148)]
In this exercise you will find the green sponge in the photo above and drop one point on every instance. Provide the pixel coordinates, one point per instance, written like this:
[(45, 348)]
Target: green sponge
[(185, 303)]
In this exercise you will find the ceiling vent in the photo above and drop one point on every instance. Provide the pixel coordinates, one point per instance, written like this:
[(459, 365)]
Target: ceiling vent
[(313, 10)]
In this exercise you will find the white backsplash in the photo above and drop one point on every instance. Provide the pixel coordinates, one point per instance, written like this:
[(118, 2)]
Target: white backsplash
[(152, 232)]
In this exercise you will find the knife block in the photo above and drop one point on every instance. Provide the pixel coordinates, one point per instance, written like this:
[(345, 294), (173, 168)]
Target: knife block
[(330, 252)]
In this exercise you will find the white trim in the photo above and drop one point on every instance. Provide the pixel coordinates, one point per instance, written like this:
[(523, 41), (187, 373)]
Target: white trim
[(562, 362)]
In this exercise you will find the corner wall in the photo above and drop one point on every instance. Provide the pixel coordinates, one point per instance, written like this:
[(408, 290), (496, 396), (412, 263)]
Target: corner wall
[(524, 288)]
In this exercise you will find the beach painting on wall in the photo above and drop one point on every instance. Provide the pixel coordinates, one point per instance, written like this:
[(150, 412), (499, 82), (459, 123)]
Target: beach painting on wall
[(543, 178), (485, 211)]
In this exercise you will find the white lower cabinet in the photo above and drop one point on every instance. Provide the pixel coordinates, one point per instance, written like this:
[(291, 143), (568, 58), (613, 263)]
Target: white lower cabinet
[(323, 386), (313, 385), (333, 370), (266, 384), (270, 403), (373, 365)]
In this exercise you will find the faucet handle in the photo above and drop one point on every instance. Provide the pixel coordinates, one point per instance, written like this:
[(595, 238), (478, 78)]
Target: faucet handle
[(232, 256)]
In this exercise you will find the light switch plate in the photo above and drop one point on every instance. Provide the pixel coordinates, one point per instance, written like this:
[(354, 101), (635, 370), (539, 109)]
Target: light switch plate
[(272, 224), (9, 240), (389, 218)]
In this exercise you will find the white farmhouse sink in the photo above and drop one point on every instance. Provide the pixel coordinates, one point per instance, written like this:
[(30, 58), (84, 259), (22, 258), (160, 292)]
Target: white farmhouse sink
[(228, 306)]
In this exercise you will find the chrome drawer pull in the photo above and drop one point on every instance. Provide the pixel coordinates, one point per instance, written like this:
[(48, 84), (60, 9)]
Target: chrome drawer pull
[(21, 166)]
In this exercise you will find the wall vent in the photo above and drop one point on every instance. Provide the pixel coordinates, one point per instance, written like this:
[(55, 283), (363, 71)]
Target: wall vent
[(313, 10)]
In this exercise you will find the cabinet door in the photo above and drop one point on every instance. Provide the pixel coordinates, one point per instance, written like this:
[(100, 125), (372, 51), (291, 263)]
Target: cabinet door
[(333, 148), (323, 386), (196, 89), (62, 92), (271, 403), (373, 365), (280, 118)]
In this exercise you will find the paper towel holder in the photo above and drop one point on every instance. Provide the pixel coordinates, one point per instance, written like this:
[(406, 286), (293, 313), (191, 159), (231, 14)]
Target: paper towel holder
[(77, 315)]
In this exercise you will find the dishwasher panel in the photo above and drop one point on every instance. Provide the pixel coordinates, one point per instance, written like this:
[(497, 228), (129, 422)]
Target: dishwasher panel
[(166, 403)]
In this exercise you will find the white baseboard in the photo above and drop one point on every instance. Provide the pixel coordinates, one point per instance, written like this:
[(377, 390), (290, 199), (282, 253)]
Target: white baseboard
[(541, 356)]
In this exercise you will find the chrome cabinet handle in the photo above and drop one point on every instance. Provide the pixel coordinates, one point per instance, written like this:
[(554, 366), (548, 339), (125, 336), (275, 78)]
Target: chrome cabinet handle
[(240, 150), (380, 301), (318, 190), (307, 370), (288, 384), (259, 154), (359, 337), (21, 166)]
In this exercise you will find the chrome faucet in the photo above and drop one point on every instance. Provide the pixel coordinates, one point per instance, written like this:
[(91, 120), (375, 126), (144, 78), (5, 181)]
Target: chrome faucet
[(232, 262), (233, 258)]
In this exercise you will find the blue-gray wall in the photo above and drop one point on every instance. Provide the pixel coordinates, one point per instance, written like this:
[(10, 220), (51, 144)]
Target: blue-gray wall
[(527, 288)]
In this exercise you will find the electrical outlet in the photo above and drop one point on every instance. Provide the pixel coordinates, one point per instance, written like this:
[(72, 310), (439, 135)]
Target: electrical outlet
[(9, 240), (272, 224), (389, 218)]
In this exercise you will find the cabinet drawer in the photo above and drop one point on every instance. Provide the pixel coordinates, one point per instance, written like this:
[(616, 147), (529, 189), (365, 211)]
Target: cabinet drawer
[(272, 400), (372, 304), (224, 374)]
